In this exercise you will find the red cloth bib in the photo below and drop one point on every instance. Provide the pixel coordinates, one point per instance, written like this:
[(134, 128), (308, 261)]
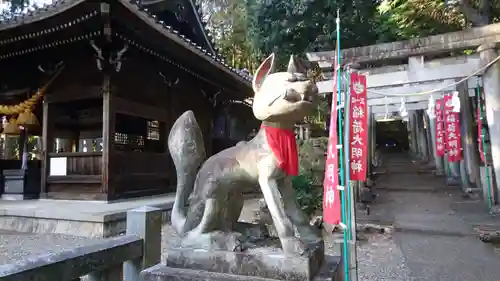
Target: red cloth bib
[(284, 146)]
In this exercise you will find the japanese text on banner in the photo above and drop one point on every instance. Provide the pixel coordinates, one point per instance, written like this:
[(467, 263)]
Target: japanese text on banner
[(452, 129), (440, 135), (331, 195), (358, 130)]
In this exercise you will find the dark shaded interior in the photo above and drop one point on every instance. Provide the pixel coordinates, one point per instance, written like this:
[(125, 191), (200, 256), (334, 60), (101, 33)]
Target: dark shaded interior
[(392, 135)]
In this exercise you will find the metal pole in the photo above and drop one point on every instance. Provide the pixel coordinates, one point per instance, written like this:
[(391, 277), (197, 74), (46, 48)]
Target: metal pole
[(351, 204), (343, 181)]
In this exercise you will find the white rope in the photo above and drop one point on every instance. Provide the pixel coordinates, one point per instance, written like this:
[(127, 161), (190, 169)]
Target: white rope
[(441, 88)]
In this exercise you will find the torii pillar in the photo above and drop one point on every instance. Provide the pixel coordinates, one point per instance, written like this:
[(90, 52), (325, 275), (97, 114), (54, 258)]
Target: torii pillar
[(491, 83)]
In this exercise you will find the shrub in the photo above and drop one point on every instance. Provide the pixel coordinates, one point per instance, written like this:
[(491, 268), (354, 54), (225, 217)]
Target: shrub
[(309, 184)]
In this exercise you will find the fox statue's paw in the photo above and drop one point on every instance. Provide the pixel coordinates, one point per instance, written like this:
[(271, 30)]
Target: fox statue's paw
[(215, 241), (293, 246)]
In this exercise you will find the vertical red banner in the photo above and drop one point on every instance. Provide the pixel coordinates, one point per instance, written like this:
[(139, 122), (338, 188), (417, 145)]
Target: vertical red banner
[(480, 132), (358, 128), (452, 129), (440, 135), (331, 194)]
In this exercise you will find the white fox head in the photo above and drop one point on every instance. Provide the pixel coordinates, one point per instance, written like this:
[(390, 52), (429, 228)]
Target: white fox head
[(283, 97)]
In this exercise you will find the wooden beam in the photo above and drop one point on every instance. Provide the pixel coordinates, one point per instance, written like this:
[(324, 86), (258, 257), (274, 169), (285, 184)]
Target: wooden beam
[(136, 109), (466, 39)]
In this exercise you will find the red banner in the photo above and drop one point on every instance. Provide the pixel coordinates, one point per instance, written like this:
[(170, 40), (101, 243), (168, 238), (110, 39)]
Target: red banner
[(331, 194), (480, 132), (358, 128), (440, 135), (452, 126)]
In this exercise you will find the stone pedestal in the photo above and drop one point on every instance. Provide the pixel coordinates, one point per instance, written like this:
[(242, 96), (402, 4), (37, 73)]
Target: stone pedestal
[(263, 262), (21, 184)]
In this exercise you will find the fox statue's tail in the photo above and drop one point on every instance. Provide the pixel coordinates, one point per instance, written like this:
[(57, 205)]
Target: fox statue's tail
[(185, 143)]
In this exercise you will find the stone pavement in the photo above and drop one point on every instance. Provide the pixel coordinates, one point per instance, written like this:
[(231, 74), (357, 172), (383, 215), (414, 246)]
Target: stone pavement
[(434, 234)]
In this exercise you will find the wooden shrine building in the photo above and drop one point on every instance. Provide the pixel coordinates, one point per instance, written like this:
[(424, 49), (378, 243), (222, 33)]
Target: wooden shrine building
[(113, 77)]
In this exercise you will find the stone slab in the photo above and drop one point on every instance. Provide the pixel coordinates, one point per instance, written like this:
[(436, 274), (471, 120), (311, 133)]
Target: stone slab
[(81, 210), (262, 261), (87, 219), (329, 271)]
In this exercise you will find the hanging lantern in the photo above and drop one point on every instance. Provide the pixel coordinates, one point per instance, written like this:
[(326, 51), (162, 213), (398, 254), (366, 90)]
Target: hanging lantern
[(11, 127), (27, 119)]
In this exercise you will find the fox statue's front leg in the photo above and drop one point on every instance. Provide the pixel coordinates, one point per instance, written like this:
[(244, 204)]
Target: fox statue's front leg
[(300, 220), (286, 213)]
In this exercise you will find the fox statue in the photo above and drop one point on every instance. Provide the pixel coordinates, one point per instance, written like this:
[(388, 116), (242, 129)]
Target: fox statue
[(209, 195)]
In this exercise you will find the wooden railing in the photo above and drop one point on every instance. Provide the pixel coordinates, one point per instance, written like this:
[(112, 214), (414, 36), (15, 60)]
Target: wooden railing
[(113, 259), (81, 163)]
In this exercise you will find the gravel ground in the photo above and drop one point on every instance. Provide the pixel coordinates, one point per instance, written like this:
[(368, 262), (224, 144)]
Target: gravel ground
[(380, 258), (16, 246)]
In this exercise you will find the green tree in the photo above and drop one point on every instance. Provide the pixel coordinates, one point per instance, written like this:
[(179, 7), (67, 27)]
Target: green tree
[(227, 22), (296, 26), (402, 19)]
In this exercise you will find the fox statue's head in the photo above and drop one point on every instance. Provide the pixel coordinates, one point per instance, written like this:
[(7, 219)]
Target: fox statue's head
[(283, 97)]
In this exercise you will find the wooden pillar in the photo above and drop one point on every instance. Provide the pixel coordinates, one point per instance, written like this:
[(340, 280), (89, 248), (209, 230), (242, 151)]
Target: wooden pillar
[(108, 132), (47, 143)]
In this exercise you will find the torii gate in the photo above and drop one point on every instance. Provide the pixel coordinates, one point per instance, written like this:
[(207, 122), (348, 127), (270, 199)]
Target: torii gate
[(420, 75)]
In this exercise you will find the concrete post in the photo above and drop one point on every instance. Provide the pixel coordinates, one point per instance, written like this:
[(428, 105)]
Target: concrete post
[(428, 138), (422, 139), (491, 84), (469, 144), (144, 222), (412, 120), (111, 274), (464, 176), (438, 161)]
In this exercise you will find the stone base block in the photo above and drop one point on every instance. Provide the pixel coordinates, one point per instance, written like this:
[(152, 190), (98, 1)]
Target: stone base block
[(330, 270), (265, 261), (14, 197), (96, 226)]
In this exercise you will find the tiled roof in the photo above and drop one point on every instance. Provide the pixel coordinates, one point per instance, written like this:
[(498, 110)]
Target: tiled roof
[(10, 21)]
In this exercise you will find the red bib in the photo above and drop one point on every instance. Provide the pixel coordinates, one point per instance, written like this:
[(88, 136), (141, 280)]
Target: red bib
[(284, 146)]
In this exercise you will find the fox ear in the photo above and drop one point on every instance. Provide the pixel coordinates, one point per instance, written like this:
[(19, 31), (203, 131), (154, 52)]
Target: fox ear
[(266, 68)]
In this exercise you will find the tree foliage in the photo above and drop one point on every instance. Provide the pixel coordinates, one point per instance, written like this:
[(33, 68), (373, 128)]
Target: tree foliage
[(227, 22), (295, 26), (402, 19)]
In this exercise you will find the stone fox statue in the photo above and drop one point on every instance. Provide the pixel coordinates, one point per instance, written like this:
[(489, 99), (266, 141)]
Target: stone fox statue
[(209, 198)]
